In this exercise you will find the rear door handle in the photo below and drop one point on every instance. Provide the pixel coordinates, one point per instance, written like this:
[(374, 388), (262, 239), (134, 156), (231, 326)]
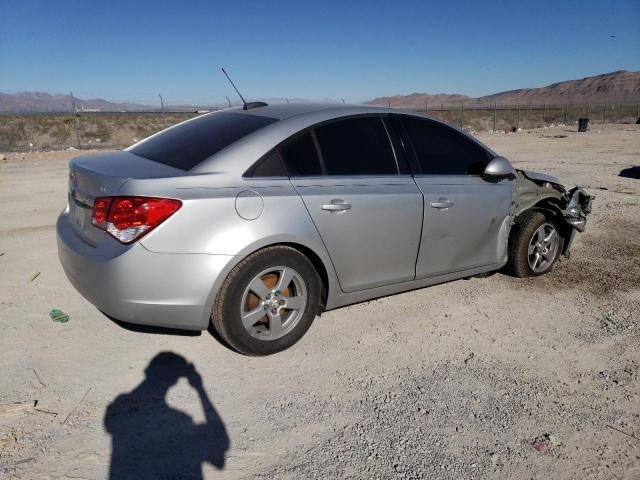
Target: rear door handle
[(442, 204), (336, 206)]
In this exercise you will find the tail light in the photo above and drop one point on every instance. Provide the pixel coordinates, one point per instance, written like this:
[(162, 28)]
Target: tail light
[(129, 218)]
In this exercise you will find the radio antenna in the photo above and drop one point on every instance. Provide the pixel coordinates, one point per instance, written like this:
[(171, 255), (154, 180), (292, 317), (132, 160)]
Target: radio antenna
[(235, 88)]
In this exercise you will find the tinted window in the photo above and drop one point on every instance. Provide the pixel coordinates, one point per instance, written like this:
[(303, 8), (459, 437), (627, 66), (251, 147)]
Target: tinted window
[(190, 143), (301, 157), (441, 150), (356, 146), (269, 166)]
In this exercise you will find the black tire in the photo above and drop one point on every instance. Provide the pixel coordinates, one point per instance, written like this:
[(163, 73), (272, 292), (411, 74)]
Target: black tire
[(521, 234), (226, 314)]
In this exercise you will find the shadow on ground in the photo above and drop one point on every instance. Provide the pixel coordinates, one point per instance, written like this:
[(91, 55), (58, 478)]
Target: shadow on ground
[(151, 440), (631, 172)]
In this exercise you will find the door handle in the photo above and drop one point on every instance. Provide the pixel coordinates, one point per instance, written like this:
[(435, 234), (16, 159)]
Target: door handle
[(442, 204), (336, 206)]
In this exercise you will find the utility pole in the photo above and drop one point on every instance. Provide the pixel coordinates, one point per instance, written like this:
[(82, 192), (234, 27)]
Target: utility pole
[(74, 110), (604, 114), (518, 118), (389, 103), (544, 115), (426, 107), (462, 116), (164, 123)]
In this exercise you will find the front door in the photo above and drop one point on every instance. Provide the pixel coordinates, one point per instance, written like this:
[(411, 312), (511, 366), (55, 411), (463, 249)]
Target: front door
[(465, 216)]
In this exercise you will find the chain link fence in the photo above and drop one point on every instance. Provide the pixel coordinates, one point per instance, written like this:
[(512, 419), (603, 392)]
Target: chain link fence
[(54, 131)]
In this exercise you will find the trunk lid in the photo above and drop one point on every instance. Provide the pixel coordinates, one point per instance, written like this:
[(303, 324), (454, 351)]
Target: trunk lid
[(103, 175)]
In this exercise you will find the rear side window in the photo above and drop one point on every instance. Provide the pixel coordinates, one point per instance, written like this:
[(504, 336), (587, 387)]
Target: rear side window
[(190, 143), (301, 157), (441, 150), (269, 166), (356, 146)]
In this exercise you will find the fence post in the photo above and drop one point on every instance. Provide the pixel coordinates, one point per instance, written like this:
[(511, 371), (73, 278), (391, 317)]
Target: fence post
[(518, 118), (75, 118), (495, 107), (620, 114), (544, 115), (462, 116), (164, 123)]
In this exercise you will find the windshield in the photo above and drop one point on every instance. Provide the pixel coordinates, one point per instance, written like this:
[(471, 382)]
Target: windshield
[(190, 143)]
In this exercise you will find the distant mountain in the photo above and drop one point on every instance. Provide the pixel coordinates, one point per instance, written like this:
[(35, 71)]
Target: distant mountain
[(615, 87), (419, 100), (44, 102)]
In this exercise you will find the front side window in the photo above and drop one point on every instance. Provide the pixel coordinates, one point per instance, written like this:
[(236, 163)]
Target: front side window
[(441, 150), (190, 143), (356, 146)]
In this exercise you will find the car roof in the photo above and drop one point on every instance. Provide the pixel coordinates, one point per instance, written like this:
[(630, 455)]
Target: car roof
[(283, 111)]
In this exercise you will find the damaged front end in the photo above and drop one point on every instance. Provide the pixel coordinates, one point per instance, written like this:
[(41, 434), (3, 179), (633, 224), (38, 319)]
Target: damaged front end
[(579, 206), (568, 206)]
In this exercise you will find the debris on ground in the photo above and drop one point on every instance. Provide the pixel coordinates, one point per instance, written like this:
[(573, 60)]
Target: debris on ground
[(545, 443), (8, 440), (34, 276), (469, 358), (58, 316), (24, 407), (38, 377)]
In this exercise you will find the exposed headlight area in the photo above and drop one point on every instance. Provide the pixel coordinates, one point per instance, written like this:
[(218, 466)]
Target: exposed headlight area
[(127, 219)]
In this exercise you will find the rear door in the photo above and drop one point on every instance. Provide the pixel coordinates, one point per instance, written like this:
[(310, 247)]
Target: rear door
[(463, 212), (368, 214)]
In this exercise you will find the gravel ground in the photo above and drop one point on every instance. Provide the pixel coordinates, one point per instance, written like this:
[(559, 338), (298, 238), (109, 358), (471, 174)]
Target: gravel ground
[(483, 378)]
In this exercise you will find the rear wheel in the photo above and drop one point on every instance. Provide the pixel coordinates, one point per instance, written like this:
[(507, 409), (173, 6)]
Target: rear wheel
[(534, 246), (267, 302)]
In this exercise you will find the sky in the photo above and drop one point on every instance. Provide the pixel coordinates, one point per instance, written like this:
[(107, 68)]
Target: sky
[(133, 50)]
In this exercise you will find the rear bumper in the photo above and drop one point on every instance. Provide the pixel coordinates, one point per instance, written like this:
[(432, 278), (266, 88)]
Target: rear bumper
[(137, 286)]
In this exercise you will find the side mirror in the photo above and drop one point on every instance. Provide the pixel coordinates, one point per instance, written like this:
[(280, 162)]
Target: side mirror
[(499, 167)]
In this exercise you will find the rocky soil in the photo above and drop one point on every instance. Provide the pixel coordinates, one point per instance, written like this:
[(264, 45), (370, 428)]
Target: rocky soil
[(482, 378)]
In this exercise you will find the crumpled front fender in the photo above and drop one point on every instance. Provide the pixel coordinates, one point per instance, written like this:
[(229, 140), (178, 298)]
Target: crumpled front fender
[(578, 207)]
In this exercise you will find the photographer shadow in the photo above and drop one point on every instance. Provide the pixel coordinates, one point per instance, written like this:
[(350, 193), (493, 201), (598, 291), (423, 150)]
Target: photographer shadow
[(151, 440)]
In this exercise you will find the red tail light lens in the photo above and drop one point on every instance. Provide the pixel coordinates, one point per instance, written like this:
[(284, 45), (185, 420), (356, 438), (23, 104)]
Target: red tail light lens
[(129, 218)]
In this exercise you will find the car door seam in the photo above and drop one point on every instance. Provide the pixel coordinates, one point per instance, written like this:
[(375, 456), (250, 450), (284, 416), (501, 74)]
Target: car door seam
[(319, 235)]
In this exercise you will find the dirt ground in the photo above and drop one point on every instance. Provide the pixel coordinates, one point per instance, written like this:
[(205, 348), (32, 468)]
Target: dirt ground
[(459, 380)]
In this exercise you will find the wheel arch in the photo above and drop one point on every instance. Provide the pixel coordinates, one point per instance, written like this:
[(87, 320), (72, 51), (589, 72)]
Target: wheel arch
[(550, 207), (319, 259)]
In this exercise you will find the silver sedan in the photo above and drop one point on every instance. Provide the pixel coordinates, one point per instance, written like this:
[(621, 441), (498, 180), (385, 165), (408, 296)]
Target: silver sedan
[(255, 220)]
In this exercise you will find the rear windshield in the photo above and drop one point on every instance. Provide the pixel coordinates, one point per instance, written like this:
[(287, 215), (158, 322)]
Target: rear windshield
[(190, 143)]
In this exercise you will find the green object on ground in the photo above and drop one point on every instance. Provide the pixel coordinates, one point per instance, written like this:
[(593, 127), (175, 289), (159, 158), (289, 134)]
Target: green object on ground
[(58, 316)]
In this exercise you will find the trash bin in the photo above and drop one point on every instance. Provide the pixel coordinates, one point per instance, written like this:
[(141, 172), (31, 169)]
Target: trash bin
[(583, 123)]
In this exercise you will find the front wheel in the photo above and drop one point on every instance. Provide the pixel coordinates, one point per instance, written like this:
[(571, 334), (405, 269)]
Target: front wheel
[(534, 245), (267, 302)]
